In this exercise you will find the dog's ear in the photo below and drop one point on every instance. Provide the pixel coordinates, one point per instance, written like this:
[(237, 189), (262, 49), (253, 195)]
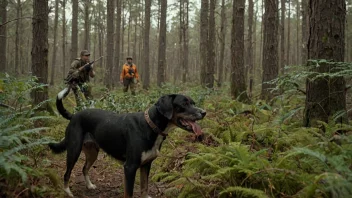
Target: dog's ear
[(165, 107)]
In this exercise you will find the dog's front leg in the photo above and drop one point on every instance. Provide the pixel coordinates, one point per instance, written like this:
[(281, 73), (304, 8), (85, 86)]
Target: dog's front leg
[(130, 175), (144, 172)]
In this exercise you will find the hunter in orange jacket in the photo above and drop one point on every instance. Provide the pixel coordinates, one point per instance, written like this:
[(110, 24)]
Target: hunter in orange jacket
[(129, 76), (129, 72)]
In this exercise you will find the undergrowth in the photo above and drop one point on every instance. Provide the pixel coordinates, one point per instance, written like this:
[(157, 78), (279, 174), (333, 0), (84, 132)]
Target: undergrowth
[(257, 150), (21, 139)]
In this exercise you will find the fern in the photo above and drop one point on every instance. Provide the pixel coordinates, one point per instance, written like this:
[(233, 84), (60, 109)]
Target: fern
[(17, 130), (240, 192)]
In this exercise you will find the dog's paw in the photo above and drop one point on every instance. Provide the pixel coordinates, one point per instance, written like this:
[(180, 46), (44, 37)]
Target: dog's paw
[(89, 183), (68, 192), (91, 186)]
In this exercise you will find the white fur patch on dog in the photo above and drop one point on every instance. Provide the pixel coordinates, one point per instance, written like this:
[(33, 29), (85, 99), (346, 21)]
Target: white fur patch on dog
[(89, 183), (152, 153), (63, 93), (68, 191)]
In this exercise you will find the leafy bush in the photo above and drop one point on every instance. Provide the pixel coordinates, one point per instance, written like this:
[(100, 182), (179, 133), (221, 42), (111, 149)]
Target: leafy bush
[(20, 131)]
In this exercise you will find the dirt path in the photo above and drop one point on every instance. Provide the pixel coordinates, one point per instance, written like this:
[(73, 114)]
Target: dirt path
[(106, 174)]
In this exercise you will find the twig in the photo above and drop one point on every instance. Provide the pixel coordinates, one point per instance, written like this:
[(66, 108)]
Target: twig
[(14, 20), (7, 106), (22, 192), (300, 90)]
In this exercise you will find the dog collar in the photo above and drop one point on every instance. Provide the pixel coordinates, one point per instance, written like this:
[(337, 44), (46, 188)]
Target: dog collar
[(152, 125)]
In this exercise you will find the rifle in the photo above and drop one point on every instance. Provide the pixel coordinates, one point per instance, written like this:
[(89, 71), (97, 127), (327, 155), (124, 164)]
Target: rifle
[(91, 63), (87, 66)]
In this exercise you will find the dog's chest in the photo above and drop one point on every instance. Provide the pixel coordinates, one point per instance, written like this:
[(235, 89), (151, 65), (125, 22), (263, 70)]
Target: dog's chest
[(151, 154)]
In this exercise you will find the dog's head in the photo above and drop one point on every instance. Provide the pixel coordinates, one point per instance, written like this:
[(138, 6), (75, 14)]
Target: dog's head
[(181, 111)]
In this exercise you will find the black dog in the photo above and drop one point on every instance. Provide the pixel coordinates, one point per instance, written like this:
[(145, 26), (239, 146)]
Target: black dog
[(134, 138)]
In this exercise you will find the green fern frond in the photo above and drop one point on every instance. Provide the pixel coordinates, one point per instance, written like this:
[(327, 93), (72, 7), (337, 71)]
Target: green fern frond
[(241, 192)]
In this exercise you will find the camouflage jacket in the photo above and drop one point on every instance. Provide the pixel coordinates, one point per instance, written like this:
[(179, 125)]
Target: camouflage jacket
[(80, 76)]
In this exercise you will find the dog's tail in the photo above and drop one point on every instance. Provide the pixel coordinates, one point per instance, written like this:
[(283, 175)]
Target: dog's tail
[(58, 147), (60, 107)]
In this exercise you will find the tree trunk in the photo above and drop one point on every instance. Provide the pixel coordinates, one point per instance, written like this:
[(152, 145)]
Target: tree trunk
[(64, 39), (146, 43), (185, 40), (298, 10), (109, 43), (86, 25), (250, 45), (270, 48), (255, 61), (3, 35), (282, 38), (238, 82), (22, 47), (129, 30), (305, 31), (162, 44), (261, 36), (53, 61), (203, 40), (74, 36), (222, 43), (117, 66), (325, 95), (17, 38), (40, 49), (288, 62), (122, 40), (210, 71), (179, 70)]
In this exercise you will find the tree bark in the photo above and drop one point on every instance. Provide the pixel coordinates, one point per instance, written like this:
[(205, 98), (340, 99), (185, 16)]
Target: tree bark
[(146, 44), (64, 61), (162, 44), (305, 31), (129, 29), (74, 36), (203, 40), (282, 38), (238, 82), (117, 66), (86, 25), (179, 70), (298, 10), (325, 96), (261, 36), (122, 40), (222, 44), (210, 72), (250, 45), (109, 43), (288, 61), (185, 41), (17, 38), (40, 49), (3, 35), (270, 48), (53, 61)]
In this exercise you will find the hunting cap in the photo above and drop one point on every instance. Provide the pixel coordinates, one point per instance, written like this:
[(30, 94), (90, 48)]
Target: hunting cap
[(129, 57), (85, 53)]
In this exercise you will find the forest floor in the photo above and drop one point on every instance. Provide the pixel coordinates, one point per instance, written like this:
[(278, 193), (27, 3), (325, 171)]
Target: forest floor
[(106, 174)]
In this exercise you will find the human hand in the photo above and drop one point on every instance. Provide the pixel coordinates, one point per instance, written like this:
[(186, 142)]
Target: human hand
[(88, 67)]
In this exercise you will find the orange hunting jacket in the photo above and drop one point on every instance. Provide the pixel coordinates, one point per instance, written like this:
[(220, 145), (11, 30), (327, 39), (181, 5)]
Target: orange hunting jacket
[(125, 73)]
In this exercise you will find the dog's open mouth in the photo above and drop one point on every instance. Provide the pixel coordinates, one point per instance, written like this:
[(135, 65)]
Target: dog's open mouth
[(191, 125)]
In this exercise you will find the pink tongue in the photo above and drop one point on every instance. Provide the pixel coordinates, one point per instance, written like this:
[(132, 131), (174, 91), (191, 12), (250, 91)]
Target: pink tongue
[(196, 128)]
